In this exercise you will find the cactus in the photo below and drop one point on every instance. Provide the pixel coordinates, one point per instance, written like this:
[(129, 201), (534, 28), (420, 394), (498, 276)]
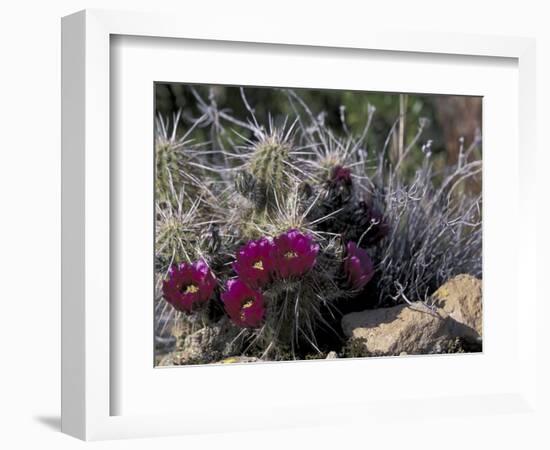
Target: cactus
[(269, 168), (176, 167)]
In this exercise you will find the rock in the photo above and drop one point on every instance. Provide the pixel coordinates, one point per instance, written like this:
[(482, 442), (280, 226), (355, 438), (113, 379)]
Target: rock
[(413, 329), (453, 324), (201, 343), (332, 355), (210, 342), (166, 360), (461, 298), (207, 345)]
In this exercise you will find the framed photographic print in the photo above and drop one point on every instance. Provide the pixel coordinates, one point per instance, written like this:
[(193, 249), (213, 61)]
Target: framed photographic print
[(255, 215)]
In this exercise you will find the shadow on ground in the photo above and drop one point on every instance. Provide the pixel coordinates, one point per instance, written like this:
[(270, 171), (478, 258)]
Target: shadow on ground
[(51, 422)]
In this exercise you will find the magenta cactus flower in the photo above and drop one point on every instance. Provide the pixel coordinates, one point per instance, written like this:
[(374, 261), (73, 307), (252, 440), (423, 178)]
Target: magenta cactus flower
[(254, 263), (294, 253), (358, 266), (244, 305), (188, 285)]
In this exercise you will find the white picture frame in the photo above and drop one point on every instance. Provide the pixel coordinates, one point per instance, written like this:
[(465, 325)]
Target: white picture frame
[(88, 328)]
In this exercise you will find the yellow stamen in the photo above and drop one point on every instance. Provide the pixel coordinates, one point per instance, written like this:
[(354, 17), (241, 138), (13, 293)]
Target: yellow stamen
[(290, 255), (191, 289), (248, 304), (258, 265)]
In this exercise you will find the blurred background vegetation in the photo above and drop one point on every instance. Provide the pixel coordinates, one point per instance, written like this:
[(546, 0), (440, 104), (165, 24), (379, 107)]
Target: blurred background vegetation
[(450, 117)]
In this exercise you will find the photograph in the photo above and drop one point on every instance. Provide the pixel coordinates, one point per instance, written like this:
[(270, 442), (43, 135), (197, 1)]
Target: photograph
[(300, 224)]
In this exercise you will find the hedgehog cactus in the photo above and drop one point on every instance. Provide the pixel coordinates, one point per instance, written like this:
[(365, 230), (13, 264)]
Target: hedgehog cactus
[(288, 267), (168, 177), (173, 241), (270, 167), (175, 168)]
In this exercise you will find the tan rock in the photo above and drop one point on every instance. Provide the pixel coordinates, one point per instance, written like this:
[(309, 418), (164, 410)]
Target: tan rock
[(204, 346), (419, 329), (200, 343), (414, 329), (461, 298), (207, 344)]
